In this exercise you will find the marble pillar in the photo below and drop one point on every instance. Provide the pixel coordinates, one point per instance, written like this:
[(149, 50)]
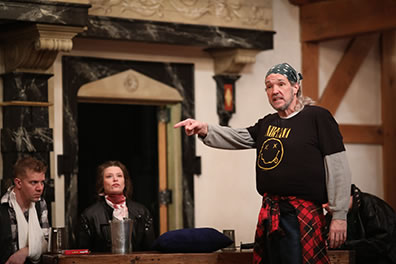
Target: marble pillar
[(31, 35), (25, 123)]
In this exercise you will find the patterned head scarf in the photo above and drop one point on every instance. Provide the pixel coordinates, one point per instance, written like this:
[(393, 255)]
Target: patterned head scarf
[(286, 70)]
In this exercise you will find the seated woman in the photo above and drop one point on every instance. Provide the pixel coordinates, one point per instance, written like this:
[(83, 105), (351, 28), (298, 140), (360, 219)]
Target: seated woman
[(114, 188)]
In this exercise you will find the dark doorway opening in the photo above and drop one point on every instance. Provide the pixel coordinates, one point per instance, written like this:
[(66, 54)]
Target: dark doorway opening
[(127, 133)]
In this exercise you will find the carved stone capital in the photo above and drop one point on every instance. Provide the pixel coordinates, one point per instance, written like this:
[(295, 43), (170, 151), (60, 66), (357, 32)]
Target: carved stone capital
[(35, 47), (232, 61)]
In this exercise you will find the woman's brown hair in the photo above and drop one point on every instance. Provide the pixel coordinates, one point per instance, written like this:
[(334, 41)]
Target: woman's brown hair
[(113, 163)]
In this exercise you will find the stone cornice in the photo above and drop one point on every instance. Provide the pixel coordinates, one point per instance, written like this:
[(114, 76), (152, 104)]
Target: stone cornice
[(35, 46), (41, 11), (180, 34), (246, 14)]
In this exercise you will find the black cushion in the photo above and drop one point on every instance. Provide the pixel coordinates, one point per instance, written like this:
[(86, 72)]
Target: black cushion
[(191, 240)]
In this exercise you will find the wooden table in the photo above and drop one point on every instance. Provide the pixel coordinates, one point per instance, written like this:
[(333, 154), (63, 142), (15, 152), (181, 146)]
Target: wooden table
[(233, 257)]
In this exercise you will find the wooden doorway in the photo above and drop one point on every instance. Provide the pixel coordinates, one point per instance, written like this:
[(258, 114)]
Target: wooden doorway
[(83, 80), (127, 133)]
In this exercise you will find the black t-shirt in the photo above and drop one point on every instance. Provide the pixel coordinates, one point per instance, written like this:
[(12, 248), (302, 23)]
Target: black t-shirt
[(290, 153)]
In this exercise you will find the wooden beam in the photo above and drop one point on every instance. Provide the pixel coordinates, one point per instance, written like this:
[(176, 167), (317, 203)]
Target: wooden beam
[(388, 92), (345, 71), (26, 103), (362, 134), (342, 18), (304, 2), (310, 69)]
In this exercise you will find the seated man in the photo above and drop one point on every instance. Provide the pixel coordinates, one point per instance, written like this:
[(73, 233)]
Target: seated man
[(23, 215), (371, 229)]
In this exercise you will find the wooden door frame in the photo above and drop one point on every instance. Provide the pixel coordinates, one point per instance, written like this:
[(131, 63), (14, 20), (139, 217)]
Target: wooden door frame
[(163, 175)]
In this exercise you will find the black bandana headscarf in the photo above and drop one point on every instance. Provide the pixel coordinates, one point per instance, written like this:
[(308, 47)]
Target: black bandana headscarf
[(286, 70)]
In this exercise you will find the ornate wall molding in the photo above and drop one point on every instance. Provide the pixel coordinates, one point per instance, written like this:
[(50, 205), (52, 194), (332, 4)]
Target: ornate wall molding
[(36, 46), (249, 14)]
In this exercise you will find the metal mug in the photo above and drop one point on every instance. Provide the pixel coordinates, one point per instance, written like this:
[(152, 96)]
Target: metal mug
[(57, 239), (230, 233), (121, 236)]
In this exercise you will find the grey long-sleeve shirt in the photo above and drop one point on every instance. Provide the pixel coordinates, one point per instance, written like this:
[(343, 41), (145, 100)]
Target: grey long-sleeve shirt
[(338, 176)]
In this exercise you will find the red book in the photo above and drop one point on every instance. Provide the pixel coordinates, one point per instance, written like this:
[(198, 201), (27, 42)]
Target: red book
[(75, 251)]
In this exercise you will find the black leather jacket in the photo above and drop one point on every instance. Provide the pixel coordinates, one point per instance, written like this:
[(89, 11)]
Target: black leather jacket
[(95, 234), (371, 229), (5, 234)]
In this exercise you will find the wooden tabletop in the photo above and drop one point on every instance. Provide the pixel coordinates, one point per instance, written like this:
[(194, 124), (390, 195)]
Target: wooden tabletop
[(234, 257), (219, 257)]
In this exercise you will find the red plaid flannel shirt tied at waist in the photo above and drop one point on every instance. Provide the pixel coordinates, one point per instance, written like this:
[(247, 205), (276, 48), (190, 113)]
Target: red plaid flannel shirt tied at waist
[(311, 222)]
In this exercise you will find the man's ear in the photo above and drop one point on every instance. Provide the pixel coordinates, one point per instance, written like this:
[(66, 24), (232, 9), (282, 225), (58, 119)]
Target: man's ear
[(17, 183), (296, 87)]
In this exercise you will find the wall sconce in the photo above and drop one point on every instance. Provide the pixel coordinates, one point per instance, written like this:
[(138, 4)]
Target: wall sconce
[(225, 97), (228, 63)]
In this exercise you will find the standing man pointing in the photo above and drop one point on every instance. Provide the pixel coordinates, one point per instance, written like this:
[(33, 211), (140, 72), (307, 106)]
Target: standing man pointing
[(300, 165)]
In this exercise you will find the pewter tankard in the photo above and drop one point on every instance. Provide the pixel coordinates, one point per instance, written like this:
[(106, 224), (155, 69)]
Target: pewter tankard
[(57, 239), (121, 236)]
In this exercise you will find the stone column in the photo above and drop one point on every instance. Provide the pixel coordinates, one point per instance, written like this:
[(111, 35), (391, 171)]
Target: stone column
[(29, 52), (25, 120)]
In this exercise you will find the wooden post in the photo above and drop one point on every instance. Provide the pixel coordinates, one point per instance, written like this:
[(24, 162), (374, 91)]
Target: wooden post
[(310, 69), (388, 92), (162, 166)]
